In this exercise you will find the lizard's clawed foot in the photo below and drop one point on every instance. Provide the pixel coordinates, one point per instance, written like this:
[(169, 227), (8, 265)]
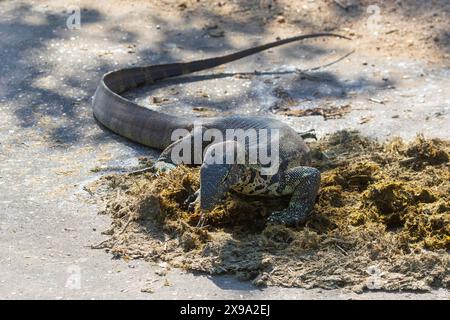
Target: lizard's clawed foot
[(161, 167), (201, 222), (192, 200), (288, 217)]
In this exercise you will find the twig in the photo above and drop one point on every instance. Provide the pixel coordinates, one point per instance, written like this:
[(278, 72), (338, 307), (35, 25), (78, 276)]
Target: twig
[(101, 245), (134, 172), (325, 65), (126, 226), (376, 100), (407, 160)]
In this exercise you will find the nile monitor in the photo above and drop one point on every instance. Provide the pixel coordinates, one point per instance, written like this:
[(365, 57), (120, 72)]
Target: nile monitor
[(293, 176)]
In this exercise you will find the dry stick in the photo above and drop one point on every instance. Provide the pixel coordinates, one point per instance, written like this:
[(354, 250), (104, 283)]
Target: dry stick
[(126, 225), (101, 244), (201, 221), (325, 65), (135, 172), (340, 248)]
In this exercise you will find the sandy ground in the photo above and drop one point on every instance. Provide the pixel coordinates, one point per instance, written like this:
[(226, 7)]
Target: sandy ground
[(395, 83)]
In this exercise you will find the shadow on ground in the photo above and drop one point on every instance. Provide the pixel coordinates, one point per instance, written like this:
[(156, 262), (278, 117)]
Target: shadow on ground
[(33, 40)]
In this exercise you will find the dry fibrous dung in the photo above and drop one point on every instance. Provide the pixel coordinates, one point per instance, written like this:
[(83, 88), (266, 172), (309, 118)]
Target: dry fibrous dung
[(381, 222)]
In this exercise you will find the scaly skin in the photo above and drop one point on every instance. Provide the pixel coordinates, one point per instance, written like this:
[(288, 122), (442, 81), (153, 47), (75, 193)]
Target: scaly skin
[(294, 176), (154, 129)]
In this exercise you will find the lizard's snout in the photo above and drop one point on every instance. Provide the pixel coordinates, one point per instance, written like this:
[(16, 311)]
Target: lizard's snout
[(213, 185)]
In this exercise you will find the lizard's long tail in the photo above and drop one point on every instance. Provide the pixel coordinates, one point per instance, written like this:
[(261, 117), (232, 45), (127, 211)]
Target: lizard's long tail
[(150, 127)]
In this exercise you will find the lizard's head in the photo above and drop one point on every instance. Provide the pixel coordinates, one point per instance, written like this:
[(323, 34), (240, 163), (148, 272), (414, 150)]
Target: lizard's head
[(216, 179), (215, 182)]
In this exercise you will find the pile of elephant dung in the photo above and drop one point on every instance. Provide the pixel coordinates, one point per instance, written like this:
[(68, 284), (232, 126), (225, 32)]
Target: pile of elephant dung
[(382, 221)]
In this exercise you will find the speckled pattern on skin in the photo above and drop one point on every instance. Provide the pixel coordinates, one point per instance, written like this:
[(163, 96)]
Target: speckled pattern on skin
[(293, 176), (300, 182)]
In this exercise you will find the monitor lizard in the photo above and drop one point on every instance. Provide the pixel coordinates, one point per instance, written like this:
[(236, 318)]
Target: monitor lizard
[(294, 177)]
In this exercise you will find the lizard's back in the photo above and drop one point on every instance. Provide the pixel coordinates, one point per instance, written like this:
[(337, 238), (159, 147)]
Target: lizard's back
[(293, 151)]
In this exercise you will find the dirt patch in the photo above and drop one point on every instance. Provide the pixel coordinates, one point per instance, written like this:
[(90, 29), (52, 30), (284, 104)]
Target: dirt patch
[(389, 23), (382, 221)]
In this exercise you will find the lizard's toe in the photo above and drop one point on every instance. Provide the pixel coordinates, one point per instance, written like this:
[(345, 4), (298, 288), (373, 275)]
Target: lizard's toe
[(191, 201)]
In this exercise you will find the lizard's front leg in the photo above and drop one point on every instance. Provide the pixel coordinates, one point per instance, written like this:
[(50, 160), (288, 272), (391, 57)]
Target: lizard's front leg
[(303, 183)]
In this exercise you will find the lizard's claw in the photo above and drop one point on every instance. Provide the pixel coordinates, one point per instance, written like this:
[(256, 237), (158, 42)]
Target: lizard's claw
[(192, 201), (161, 167), (201, 221)]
